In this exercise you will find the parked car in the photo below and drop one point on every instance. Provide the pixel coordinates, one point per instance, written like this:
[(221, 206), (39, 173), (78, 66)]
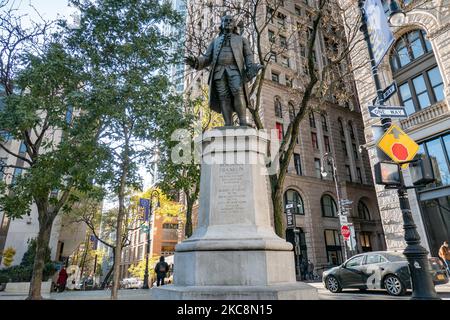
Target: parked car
[(132, 283), (387, 270)]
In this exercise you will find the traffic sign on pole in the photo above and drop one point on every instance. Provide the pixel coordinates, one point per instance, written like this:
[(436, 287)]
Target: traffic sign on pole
[(387, 112), (397, 145), (387, 93)]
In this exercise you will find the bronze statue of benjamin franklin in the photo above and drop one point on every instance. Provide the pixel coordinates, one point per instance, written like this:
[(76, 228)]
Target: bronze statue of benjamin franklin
[(231, 61)]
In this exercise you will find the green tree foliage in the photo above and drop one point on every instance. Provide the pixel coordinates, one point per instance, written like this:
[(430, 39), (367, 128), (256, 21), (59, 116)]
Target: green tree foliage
[(49, 114), (190, 120), (126, 55)]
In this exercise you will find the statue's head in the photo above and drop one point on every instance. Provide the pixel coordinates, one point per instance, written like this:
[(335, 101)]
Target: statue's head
[(228, 24)]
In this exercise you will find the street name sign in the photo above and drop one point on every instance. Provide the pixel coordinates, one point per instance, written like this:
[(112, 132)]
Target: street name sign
[(387, 93), (343, 219), (290, 219), (397, 145), (387, 112)]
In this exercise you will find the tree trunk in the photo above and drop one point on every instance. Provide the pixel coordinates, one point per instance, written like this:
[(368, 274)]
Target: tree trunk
[(108, 275), (277, 202), (188, 227), (42, 242)]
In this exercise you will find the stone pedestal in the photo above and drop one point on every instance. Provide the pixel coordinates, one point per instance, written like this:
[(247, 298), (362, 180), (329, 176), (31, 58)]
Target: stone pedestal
[(234, 252)]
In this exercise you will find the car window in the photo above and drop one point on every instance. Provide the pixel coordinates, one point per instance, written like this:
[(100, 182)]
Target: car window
[(354, 262), (396, 257), (374, 258)]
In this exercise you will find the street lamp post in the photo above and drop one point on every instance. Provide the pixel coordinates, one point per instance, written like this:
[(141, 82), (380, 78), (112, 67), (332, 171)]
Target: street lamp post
[(327, 156), (154, 193), (422, 283)]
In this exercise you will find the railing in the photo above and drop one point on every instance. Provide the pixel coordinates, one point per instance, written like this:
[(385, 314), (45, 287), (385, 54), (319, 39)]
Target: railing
[(425, 115)]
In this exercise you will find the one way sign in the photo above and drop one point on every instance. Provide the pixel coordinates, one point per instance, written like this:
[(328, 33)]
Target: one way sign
[(387, 112)]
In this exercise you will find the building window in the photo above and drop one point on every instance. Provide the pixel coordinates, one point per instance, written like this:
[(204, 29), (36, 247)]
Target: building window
[(273, 56), (271, 36), (293, 197), (350, 130), (355, 151), (269, 14), (341, 128), (289, 82), (275, 77), (314, 141), (280, 129), (348, 173), (283, 42), (291, 111), (278, 108), (285, 61), (17, 173), (281, 19), (23, 148), (298, 11), (69, 115), (438, 151), (358, 172), (326, 141), (312, 120), (333, 247), (297, 164), (324, 122), (363, 211), (170, 226), (408, 48), (420, 84), (344, 147), (422, 91), (318, 168), (329, 208), (364, 240)]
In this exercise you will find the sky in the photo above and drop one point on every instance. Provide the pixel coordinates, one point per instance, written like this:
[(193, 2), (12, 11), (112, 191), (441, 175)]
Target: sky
[(50, 10)]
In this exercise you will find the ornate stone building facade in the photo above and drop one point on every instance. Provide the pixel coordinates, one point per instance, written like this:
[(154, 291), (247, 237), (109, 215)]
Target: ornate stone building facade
[(330, 128), (419, 61)]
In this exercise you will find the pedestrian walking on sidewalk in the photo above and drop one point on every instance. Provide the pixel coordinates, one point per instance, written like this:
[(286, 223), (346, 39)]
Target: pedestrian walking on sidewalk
[(444, 254), (310, 270), (62, 280), (161, 270)]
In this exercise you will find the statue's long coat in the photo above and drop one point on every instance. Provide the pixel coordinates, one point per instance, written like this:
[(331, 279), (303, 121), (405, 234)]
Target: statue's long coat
[(244, 59)]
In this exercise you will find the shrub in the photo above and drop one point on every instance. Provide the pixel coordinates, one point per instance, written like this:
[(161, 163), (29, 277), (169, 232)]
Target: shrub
[(8, 256), (24, 271), (4, 278)]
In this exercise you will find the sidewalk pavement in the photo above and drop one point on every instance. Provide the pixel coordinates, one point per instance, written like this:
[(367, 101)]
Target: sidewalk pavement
[(142, 294)]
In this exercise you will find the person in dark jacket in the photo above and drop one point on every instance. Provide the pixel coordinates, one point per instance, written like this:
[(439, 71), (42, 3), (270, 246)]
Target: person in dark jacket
[(161, 270), (62, 280)]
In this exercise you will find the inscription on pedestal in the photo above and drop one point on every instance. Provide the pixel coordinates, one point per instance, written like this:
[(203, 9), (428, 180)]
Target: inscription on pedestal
[(232, 198)]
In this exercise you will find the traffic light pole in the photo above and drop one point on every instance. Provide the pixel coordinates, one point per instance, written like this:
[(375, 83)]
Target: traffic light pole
[(417, 256)]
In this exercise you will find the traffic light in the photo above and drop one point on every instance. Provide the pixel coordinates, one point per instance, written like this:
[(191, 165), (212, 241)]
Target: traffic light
[(387, 173), (421, 171)]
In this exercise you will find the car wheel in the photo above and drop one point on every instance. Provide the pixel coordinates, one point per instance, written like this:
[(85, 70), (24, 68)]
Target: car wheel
[(333, 284), (394, 286)]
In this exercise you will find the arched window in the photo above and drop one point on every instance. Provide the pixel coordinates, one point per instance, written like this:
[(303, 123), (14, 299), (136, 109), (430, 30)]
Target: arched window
[(350, 130), (363, 211), (292, 196), (341, 128), (312, 120), (278, 108), (329, 208), (291, 111), (416, 72), (323, 119)]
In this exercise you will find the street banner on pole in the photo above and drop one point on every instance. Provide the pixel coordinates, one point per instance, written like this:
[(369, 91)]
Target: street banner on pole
[(145, 203), (290, 218), (381, 37)]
